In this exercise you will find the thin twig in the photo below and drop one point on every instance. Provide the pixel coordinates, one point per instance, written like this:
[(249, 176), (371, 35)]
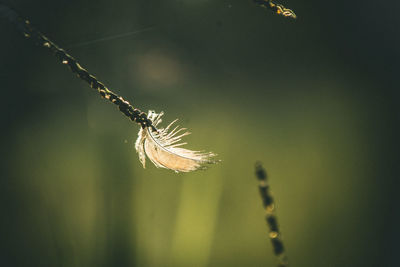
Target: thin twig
[(25, 27), (270, 216)]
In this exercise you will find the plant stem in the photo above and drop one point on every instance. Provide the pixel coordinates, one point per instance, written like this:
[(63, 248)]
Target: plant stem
[(276, 8), (25, 27), (270, 216)]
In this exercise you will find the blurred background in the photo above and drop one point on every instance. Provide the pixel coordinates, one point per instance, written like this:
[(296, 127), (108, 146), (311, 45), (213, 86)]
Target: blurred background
[(316, 100)]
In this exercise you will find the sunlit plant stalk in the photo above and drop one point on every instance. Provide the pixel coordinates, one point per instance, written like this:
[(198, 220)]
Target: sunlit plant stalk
[(276, 8), (160, 146)]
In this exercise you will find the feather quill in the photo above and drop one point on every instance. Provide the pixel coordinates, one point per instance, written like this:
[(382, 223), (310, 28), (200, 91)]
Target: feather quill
[(163, 147)]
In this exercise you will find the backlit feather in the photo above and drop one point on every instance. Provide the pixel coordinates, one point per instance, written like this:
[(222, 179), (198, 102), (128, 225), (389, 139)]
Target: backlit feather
[(163, 148)]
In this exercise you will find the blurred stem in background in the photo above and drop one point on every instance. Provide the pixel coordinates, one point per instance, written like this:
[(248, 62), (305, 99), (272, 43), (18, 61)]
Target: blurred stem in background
[(270, 217), (276, 8)]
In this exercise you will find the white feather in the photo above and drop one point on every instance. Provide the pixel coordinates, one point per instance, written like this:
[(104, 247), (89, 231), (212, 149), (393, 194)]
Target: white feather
[(163, 148)]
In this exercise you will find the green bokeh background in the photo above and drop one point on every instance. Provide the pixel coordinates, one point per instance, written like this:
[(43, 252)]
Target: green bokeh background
[(314, 99)]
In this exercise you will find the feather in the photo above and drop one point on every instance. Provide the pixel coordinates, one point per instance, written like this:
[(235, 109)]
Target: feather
[(163, 148)]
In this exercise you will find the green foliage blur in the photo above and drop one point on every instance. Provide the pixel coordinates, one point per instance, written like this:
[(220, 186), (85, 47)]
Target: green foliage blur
[(313, 99)]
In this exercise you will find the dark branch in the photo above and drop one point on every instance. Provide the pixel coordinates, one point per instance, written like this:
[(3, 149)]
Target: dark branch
[(25, 27)]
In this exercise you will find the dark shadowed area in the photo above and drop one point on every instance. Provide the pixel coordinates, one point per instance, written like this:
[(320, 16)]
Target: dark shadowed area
[(315, 99)]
